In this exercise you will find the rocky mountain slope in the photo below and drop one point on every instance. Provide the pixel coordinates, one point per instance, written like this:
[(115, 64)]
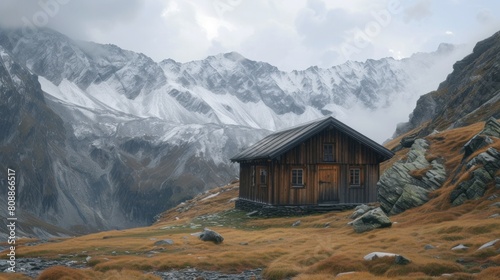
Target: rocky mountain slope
[(109, 169), (114, 138), (471, 93)]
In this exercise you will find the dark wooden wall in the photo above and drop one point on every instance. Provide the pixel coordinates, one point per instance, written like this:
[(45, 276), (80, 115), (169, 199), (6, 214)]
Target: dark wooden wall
[(308, 156)]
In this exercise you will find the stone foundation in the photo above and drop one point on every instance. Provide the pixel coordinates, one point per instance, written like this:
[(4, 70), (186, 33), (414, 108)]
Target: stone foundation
[(266, 210)]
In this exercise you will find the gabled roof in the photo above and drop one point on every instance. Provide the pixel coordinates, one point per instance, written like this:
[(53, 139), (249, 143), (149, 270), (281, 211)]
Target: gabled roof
[(280, 142)]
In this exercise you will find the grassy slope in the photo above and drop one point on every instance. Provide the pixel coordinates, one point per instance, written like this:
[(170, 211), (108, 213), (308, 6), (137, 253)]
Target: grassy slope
[(309, 251)]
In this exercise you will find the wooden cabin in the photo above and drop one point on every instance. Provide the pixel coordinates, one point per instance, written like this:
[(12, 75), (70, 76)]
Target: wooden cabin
[(324, 162)]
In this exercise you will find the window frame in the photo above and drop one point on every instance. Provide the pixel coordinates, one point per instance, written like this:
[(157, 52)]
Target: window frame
[(355, 178), (331, 154), (294, 178)]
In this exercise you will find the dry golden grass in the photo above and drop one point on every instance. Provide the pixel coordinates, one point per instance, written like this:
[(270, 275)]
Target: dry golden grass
[(14, 276), (320, 248)]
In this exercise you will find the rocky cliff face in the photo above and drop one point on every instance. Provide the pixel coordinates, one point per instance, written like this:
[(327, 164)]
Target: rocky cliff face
[(32, 137), (471, 93)]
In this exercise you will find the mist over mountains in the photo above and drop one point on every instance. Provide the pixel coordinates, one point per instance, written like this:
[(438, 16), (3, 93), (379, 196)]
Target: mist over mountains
[(106, 138)]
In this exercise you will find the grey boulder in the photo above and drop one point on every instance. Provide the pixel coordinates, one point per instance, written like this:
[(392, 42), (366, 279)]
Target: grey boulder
[(210, 235), (372, 219)]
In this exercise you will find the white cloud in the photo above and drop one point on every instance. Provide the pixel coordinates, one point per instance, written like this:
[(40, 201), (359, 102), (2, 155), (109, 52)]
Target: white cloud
[(288, 34), (418, 11)]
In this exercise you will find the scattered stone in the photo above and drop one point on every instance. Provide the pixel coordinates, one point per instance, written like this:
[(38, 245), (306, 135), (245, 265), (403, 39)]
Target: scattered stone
[(244, 243), (496, 215), (296, 223), (32, 267), (164, 242), (401, 260), (253, 213), (376, 255), (192, 273), (326, 225), (429, 247), (489, 244), (345, 273), (364, 207), (398, 259), (357, 213), (493, 197), (496, 204), (88, 258), (210, 235), (375, 218), (360, 210), (460, 247)]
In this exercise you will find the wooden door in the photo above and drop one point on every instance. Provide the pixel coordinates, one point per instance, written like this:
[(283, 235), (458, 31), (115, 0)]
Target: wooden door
[(328, 184)]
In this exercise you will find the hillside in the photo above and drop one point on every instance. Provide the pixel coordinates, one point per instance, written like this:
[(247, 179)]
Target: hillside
[(321, 247), (471, 93)]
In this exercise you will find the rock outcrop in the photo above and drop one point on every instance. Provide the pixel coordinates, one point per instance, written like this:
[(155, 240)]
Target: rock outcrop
[(407, 183), (482, 167)]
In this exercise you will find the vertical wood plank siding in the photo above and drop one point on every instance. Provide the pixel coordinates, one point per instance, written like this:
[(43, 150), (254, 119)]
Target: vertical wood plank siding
[(307, 156)]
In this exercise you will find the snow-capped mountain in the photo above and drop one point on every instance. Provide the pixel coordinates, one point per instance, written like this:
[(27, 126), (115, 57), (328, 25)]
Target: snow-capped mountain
[(228, 88), (135, 137)]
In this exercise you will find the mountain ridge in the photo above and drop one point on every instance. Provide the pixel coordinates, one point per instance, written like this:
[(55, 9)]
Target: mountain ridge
[(135, 132), (281, 97), (472, 87)]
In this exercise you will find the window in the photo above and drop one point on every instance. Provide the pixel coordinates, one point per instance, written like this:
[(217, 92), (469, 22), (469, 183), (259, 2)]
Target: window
[(328, 152), (355, 175), (297, 177), (263, 176)]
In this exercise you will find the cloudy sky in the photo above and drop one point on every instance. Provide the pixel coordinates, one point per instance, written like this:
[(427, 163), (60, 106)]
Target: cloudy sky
[(290, 34)]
